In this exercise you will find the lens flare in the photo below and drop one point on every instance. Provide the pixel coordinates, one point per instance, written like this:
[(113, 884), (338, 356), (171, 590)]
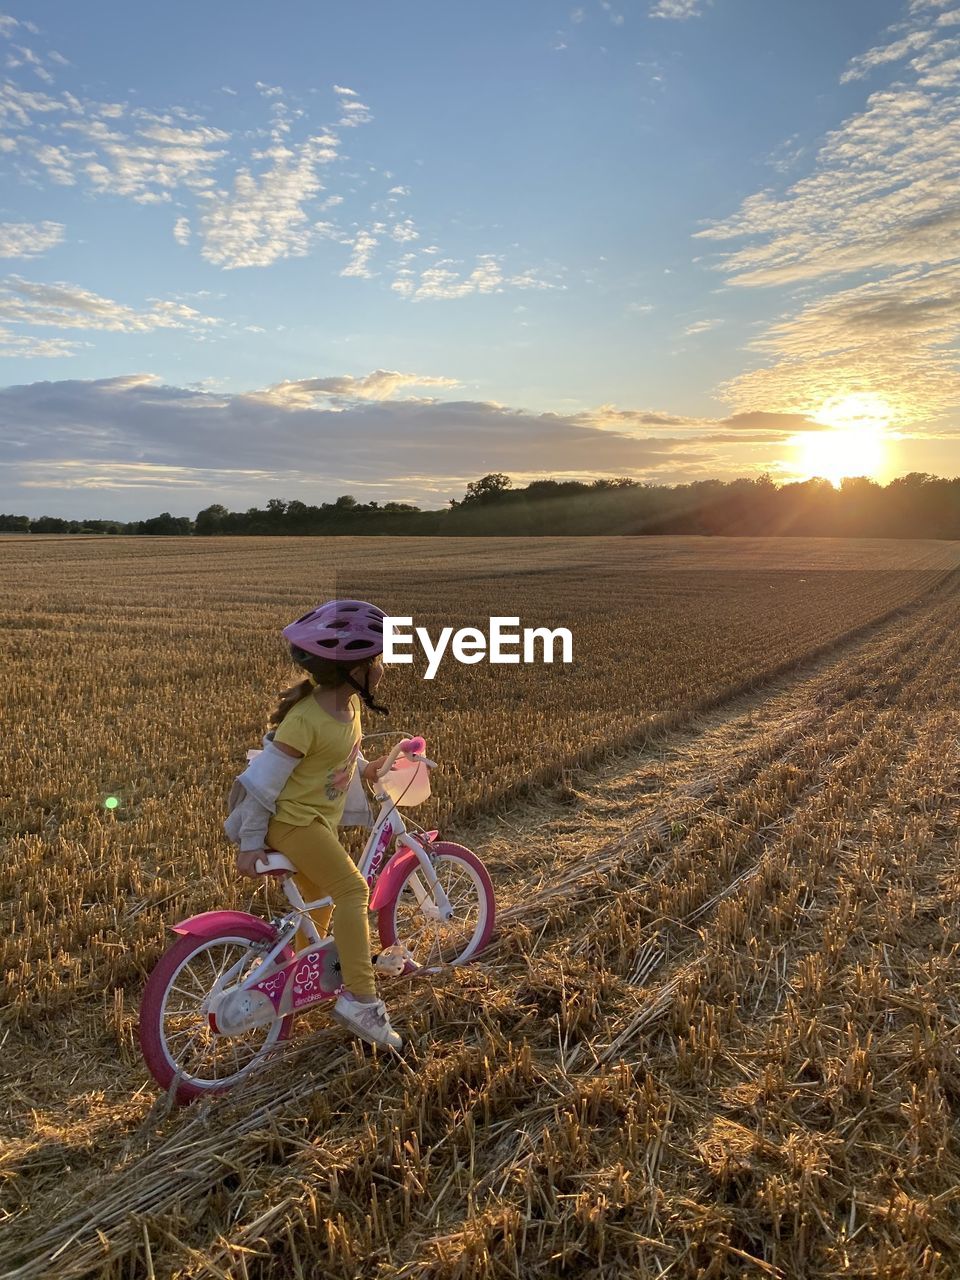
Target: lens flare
[(111, 802)]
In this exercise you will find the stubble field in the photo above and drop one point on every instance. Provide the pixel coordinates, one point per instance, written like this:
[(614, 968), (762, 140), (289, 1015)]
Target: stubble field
[(716, 1033)]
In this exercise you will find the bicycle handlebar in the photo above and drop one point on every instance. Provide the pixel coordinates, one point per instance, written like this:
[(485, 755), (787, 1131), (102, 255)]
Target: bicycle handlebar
[(407, 747)]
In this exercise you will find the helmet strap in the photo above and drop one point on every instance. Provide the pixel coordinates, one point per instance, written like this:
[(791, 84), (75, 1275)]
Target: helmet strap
[(365, 693)]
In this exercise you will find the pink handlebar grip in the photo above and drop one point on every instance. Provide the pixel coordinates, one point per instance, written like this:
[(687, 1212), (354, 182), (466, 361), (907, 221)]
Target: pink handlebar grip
[(413, 746)]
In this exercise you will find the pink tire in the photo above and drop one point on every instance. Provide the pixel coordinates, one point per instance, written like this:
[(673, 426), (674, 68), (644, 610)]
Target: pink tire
[(467, 884), (165, 1054)]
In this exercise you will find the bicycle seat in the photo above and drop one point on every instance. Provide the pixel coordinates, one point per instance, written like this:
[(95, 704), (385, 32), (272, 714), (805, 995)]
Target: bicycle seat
[(274, 864)]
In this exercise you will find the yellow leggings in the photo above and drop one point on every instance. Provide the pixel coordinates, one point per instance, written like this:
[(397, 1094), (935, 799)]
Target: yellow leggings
[(327, 870)]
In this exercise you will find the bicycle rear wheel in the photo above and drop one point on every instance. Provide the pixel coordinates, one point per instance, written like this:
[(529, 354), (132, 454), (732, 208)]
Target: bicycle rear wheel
[(175, 1034)]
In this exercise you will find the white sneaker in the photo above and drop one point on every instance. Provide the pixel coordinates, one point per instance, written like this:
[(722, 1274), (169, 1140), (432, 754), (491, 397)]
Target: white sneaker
[(369, 1021)]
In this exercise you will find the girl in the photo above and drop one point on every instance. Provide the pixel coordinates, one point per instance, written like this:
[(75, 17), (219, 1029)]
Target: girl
[(317, 722)]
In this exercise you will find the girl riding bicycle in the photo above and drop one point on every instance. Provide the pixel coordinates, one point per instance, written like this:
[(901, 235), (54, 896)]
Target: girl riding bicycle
[(298, 786)]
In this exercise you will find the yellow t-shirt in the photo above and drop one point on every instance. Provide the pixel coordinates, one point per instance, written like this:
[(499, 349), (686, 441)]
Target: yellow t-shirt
[(317, 788)]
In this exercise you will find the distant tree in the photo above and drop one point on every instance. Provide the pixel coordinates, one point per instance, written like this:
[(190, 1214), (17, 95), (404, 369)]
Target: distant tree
[(488, 488), (14, 524), (346, 502), (165, 525), (210, 520), (49, 524), (554, 488)]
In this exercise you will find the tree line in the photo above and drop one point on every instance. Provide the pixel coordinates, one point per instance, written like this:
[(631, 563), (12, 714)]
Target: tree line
[(917, 505)]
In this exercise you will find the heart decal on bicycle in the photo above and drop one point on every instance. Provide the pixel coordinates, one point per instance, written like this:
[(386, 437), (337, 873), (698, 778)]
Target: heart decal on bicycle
[(308, 975)]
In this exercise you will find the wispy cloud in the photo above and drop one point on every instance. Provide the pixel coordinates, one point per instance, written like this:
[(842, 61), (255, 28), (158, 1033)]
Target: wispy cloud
[(678, 9), (29, 239), (29, 346), (382, 384), (441, 281), (883, 198), (864, 63), (23, 56), (363, 247), (66, 306), (355, 112), (701, 326)]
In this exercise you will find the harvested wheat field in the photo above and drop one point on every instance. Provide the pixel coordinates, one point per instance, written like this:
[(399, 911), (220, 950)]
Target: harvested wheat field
[(716, 1033)]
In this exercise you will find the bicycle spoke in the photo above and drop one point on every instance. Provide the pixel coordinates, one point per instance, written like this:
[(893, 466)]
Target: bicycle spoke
[(188, 972), (175, 1035), (189, 995)]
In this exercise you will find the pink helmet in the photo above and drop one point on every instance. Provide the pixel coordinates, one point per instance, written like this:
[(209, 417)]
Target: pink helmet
[(340, 631)]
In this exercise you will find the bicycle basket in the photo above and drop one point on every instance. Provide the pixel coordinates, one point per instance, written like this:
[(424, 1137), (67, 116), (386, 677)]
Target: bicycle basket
[(407, 783)]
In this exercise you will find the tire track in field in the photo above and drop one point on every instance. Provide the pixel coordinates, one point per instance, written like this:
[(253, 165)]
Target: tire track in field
[(674, 778), (827, 772), (771, 767)]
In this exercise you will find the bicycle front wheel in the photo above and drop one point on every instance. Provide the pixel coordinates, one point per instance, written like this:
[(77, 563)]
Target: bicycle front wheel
[(413, 918)]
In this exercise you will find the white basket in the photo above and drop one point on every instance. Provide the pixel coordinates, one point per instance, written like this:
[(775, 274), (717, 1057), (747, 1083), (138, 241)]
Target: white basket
[(407, 783)]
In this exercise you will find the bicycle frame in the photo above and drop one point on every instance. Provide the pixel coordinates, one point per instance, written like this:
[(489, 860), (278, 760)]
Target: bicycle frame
[(389, 825)]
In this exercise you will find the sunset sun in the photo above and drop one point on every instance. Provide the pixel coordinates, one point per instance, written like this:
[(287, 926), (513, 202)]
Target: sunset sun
[(855, 443)]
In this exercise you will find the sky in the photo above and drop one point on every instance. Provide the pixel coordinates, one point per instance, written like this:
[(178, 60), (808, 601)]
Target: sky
[(385, 248)]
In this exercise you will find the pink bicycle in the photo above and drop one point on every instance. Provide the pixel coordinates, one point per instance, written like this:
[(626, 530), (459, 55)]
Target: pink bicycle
[(226, 992)]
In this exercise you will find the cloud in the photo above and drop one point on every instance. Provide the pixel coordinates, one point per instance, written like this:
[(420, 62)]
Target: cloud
[(27, 346), (677, 9), (128, 433), (405, 231), (266, 218), (27, 57), (355, 112), (29, 239), (382, 384), (883, 198), (240, 205), (19, 106), (890, 338), (155, 160), (866, 62), (363, 247), (440, 281), (66, 306), (58, 162)]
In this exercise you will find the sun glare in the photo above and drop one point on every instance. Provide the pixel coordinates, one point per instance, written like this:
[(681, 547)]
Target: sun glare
[(855, 443)]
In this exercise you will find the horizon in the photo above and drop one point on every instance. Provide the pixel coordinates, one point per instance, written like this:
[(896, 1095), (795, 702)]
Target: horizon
[(675, 240), (840, 489)]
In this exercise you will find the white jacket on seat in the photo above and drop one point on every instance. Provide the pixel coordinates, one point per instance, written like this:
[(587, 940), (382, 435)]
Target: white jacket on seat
[(253, 797)]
